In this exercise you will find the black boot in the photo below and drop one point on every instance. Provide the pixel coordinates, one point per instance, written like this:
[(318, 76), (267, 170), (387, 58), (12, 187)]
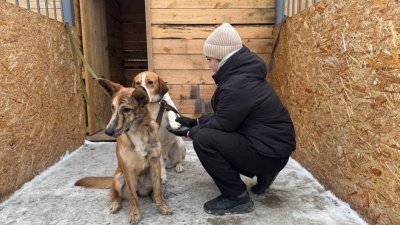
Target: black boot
[(222, 205), (263, 183)]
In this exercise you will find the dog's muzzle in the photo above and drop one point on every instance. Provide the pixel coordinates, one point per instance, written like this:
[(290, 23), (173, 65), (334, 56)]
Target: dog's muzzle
[(110, 132)]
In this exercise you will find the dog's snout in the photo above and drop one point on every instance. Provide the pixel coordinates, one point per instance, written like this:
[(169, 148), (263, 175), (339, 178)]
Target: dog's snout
[(109, 131)]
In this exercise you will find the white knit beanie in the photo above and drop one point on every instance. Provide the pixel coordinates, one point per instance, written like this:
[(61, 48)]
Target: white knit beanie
[(222, 41)]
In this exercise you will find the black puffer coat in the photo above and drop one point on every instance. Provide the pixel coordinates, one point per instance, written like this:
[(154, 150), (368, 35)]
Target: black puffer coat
[(245, 103)]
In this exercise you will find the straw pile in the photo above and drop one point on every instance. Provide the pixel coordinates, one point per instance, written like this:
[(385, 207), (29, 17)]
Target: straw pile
[(41, 105), (337, 69)]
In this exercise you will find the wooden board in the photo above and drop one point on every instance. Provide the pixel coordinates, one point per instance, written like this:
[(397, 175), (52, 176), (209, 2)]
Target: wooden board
[(213, 16), (193, 91), (101, 136), (186, 62), (202, 31), (193, 106), (212, 4), (181, 76), (195, 46)]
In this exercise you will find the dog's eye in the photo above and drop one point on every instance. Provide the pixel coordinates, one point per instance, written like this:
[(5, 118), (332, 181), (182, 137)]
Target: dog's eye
[(150, 82), (126, 110), (112, 108)]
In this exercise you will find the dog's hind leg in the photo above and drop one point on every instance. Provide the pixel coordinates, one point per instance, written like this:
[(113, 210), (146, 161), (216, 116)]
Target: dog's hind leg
[(180, 154), (158, 198)]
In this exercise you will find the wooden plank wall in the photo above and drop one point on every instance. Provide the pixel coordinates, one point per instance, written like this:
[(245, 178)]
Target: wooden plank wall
[(178, 30)]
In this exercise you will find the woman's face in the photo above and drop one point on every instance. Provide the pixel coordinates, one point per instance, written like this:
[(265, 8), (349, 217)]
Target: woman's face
[(213, 64)]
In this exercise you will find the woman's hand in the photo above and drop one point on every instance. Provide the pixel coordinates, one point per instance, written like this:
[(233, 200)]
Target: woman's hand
[(186, 121), (182, 131)]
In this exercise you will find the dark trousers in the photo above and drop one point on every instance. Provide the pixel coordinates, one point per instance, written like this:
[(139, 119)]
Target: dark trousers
[(227, 155)]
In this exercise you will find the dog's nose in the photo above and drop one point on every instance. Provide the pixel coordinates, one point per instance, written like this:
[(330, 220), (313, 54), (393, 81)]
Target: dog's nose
[(109, 132)]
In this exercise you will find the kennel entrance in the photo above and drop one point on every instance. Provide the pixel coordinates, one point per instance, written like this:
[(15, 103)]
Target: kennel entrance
[(115, 44)]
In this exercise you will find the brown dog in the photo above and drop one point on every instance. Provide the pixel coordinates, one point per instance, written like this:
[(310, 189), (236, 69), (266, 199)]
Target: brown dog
[(173, 147), (138, 151)]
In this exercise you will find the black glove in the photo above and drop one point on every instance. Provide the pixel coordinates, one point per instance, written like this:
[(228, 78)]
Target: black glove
[(181, 131), (186, 121)]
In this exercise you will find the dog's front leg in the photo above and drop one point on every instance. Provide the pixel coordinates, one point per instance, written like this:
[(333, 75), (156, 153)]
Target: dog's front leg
[(155, 167), (116, 191), (134, 216)]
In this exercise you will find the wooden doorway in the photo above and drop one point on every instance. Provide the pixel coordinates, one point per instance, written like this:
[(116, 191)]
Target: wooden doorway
[(115, 44)]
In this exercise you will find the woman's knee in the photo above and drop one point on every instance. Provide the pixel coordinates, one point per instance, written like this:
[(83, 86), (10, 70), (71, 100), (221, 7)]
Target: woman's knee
[(202, 136), (203, 139)]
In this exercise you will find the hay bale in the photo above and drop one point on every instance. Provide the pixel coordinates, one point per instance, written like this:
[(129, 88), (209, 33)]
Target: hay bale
[(337, 69), (41, 105)]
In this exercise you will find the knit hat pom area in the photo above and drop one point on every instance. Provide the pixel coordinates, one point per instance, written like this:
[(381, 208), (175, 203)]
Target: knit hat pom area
[(222, 41)]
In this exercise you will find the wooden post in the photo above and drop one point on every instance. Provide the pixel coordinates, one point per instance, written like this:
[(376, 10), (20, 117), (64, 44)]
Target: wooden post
[(148, 36)]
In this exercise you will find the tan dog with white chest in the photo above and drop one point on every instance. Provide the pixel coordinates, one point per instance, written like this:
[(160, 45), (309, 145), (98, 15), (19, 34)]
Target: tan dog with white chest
[(138, 152), (173, 147)]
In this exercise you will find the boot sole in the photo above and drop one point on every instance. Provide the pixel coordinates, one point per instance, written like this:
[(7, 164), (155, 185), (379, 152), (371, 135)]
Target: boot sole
[(243, 208)]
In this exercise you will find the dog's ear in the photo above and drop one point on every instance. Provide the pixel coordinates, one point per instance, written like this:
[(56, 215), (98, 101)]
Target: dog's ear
[(134, 82), (140, 95), (110, 87), (163, 88)]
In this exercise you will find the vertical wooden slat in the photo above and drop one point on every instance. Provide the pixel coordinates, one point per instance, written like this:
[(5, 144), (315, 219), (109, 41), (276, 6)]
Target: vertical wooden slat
[(148, 36)]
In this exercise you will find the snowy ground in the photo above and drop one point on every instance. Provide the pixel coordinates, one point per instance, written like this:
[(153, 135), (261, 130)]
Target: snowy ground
[(51, 198)]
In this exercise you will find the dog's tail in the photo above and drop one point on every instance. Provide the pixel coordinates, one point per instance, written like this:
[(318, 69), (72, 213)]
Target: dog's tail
[(95, 182)]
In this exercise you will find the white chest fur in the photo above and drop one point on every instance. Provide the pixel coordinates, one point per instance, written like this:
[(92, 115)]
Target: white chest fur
[(140, 143), (134, 143)]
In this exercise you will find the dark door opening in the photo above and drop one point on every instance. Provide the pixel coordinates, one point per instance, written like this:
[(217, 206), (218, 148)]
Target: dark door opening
[(127, 44)]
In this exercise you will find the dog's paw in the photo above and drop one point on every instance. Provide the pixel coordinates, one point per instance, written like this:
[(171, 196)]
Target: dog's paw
[(175, 125), (165, 210), (164, 179), (115, 206), (134, 216), (172, 122), (179, 168)]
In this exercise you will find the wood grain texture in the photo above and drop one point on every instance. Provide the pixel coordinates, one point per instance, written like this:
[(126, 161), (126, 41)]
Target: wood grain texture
[(213, 16), (212, 4)]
